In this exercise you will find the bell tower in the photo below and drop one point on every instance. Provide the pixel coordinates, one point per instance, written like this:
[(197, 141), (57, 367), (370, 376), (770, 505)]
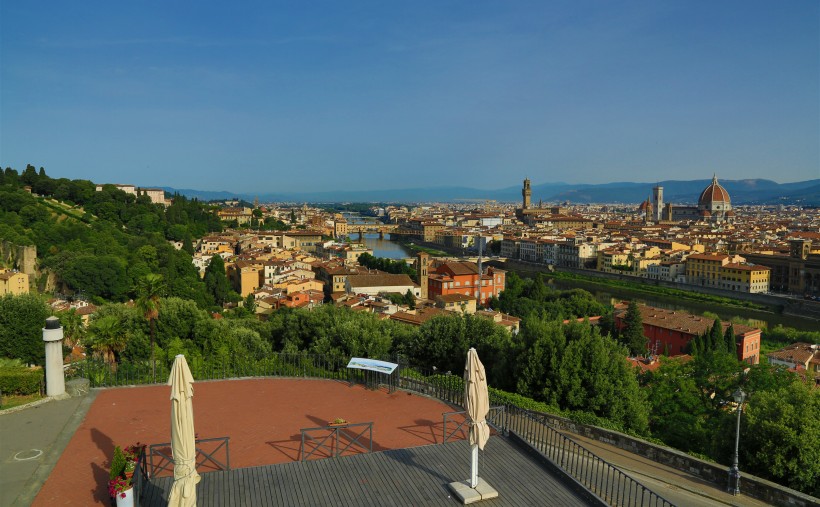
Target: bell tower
[(526, 193), (421, 269), (657, 198)]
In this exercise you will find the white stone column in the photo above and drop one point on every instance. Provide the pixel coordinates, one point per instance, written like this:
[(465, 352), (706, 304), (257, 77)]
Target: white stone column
[(55, 376)]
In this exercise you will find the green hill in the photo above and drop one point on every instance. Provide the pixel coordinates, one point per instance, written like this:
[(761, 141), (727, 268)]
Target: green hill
[(99, 244)]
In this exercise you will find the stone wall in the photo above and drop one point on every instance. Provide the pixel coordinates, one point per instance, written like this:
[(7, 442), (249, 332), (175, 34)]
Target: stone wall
[(755, 487), (23, 258)]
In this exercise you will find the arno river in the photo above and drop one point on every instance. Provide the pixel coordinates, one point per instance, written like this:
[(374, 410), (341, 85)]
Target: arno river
[(612, 295), (384, 247)]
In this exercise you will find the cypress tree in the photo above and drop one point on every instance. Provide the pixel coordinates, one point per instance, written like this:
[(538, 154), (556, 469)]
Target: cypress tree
[(729, 339), (216, 281), (716, 341), (632, 334)]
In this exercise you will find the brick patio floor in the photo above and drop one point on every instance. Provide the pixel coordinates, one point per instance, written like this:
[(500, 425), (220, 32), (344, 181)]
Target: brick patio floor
[(262, 417)]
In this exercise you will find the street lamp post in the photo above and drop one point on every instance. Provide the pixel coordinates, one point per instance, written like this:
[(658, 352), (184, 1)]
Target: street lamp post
[(734, 472)]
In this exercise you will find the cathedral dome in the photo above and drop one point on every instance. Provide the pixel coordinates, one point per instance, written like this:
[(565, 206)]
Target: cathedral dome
[(714, 197), (644, 205)]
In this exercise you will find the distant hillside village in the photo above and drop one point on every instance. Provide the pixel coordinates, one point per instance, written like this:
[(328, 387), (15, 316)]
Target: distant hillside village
[(157, 195)]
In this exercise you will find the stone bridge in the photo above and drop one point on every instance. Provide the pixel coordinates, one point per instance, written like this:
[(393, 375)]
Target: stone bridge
[(375, 227)]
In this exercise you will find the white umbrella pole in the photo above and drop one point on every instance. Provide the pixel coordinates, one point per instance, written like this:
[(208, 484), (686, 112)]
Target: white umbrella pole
[(474, 466)]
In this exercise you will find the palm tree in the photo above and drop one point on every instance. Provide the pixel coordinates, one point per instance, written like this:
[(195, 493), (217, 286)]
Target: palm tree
[(106, 338), (73, 327), (149, 290)]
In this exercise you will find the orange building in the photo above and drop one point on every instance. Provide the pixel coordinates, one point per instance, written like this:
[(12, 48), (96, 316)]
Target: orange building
[(463, 278)]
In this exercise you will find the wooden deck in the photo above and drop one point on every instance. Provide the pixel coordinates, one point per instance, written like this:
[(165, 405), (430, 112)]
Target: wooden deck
[(416, 476)]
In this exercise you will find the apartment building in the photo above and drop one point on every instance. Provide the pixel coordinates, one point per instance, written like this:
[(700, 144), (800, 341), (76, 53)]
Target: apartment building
[(13, 282), (463, 278), (704, 269), (575, 253), (669, 271), (744, 277)]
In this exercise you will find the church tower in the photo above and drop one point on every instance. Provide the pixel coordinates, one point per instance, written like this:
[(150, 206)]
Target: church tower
[(657, 197), (421, 269), (526, 193)]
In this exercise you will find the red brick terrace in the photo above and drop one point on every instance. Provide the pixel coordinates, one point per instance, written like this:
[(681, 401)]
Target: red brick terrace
[(262, 417)]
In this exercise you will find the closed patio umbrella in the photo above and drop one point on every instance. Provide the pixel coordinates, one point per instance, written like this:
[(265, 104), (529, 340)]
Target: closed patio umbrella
[(477, 404), (183, 446)]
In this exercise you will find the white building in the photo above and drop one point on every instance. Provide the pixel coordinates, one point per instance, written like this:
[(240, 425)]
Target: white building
[(381, 283)]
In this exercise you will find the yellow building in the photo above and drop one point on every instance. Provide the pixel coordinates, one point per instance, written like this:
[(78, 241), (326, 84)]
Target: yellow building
[(244, 276), (339, 226), (215, 245), (458, 303), (611, 259), (292, 286), (640, 265), (241, 215), (744, 277), (709, 270), (704, 269), (13, 282), (421, 229)]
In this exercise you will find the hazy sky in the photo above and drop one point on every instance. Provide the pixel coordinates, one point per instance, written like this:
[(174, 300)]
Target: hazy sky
[(297, 96)]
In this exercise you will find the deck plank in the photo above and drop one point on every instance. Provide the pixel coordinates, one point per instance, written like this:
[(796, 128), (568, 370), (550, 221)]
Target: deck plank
[(401, 477)]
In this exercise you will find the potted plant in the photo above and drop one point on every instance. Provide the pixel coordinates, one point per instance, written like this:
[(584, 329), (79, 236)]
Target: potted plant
[(119, 486), (130, 467), (337, 422), (117, 463), (122, 489), (132, 452), (132, 456)]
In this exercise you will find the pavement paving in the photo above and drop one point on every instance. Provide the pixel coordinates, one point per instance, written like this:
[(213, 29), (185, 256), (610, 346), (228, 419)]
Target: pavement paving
[(31, 441), (676, 486)]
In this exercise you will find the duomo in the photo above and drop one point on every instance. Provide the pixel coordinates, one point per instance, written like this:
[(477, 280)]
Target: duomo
[(714, 205)]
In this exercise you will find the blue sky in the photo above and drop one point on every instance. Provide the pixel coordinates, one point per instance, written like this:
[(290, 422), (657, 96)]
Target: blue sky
[(269, 96)]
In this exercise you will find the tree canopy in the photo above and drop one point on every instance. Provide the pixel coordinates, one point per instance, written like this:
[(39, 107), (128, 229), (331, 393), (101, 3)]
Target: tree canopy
[(102, 243), (21, 327)]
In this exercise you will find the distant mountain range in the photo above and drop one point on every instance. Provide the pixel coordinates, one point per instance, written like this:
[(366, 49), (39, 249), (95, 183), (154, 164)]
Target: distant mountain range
[(750, 191)]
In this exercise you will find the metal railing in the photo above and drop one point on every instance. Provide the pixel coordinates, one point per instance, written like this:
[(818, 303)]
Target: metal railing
[(165, 461), (334, 435), (444, 386), (140, 477), (374, 379), (496, 419), (318, 366), (596, 474)]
